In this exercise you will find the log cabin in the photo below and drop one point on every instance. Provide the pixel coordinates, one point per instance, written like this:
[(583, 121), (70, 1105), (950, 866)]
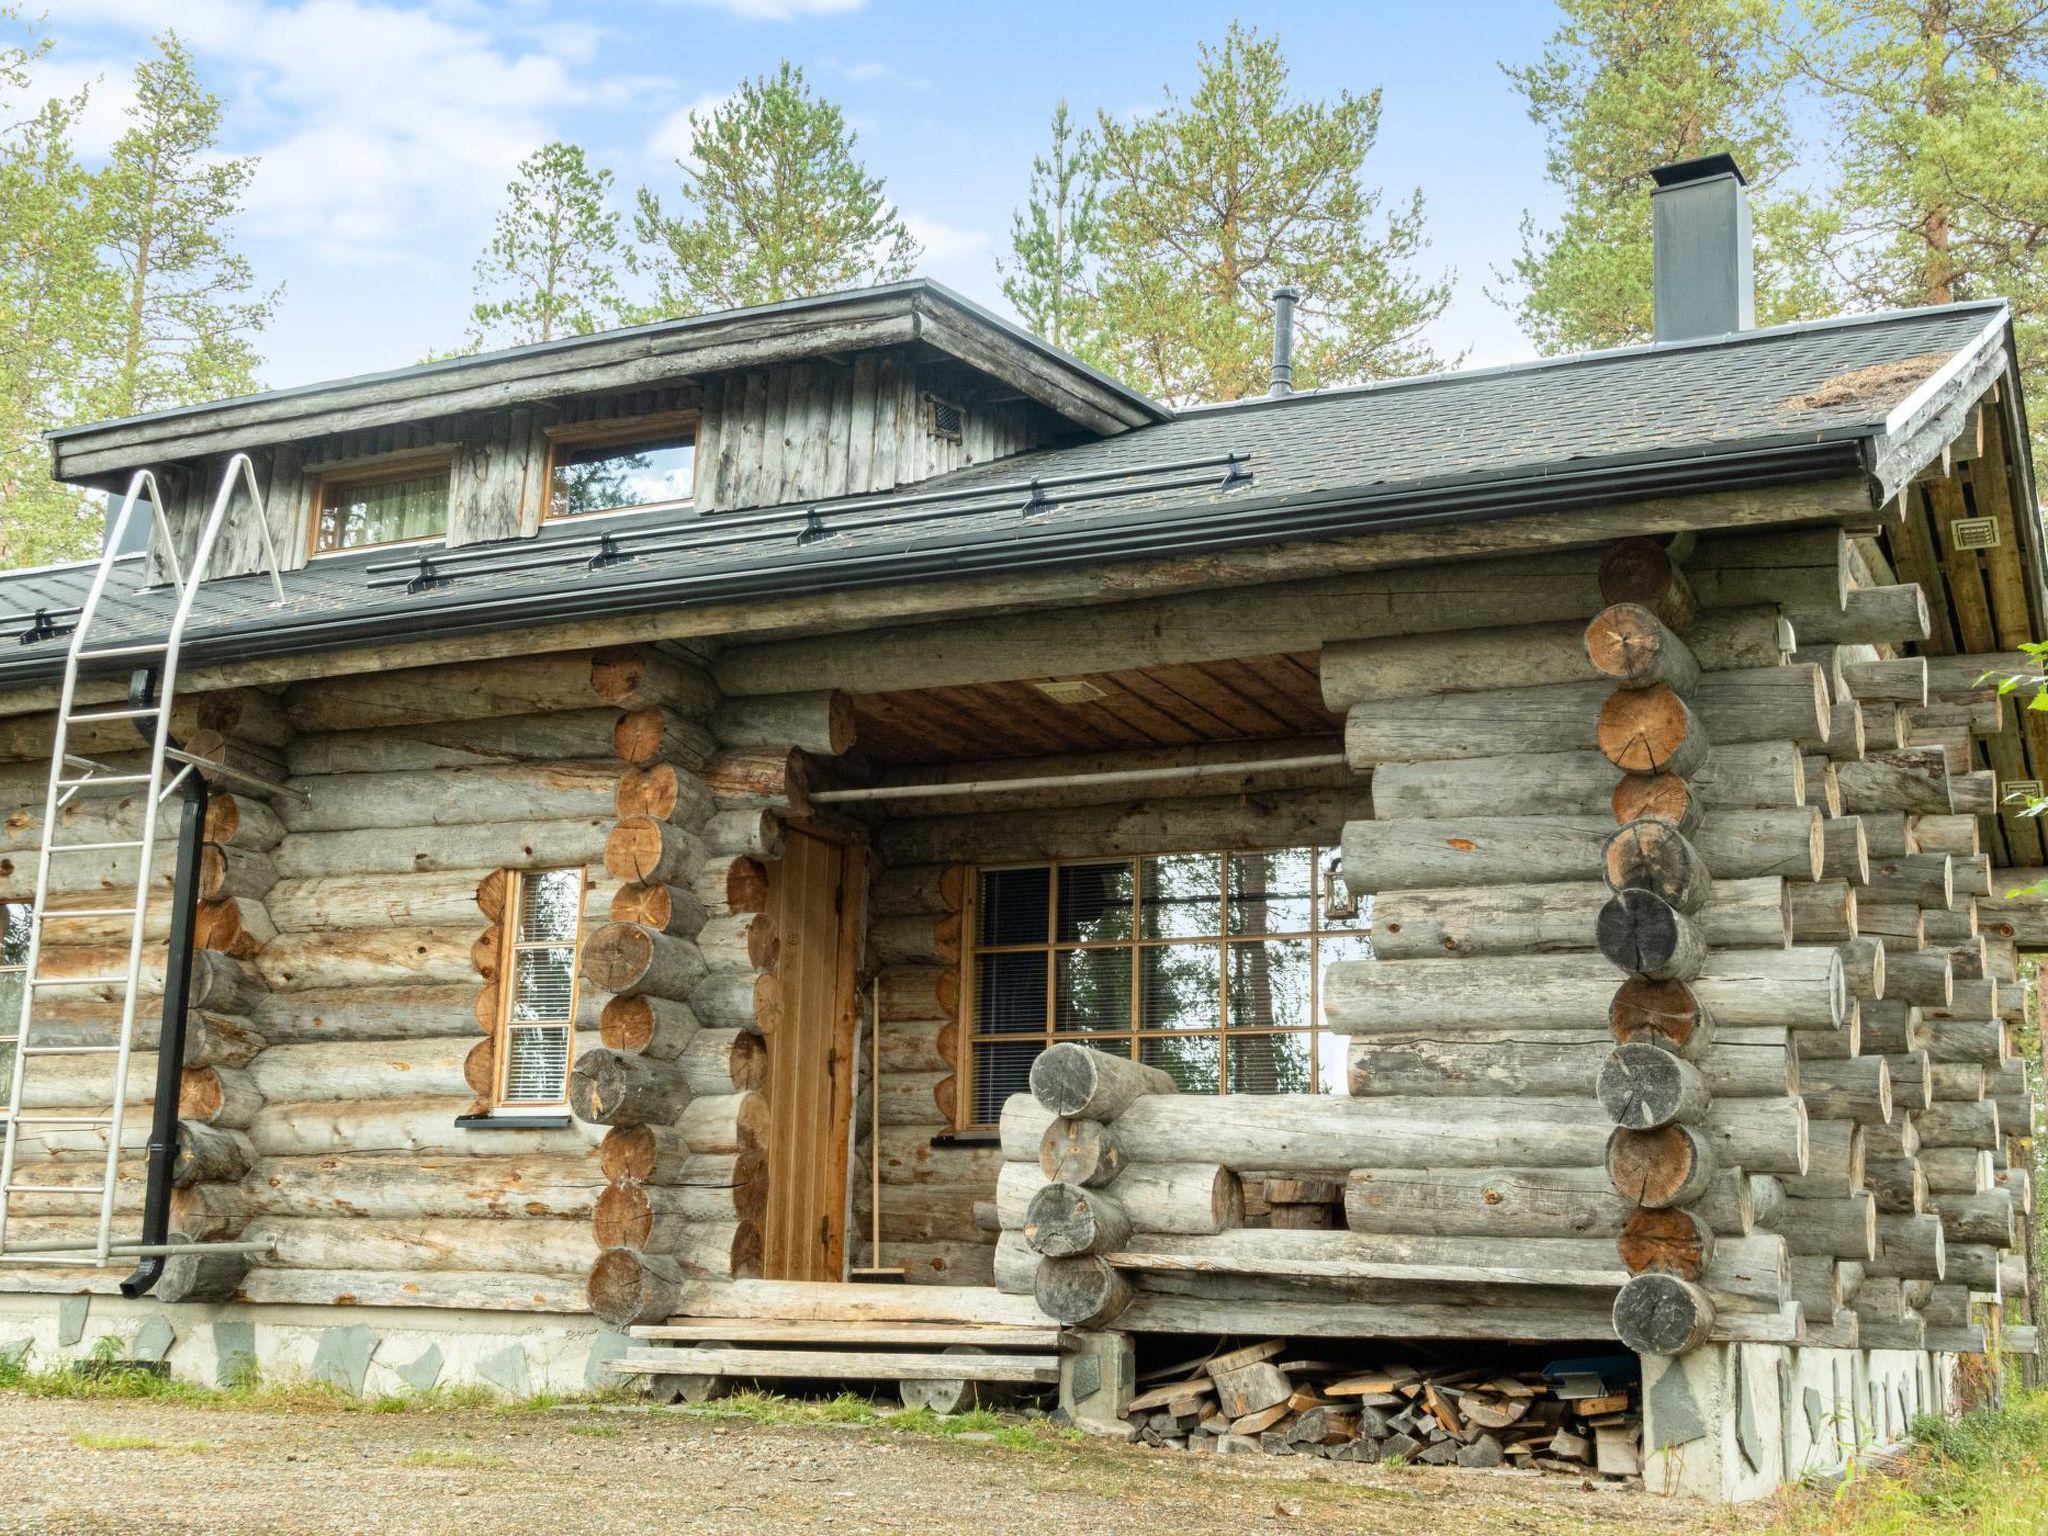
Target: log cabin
[(767, 844)]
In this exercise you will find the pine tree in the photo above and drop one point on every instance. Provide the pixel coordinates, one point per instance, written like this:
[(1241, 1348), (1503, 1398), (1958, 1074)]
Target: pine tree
[(190, 308), (56, 304), (775, 206), (552, 267), (1939, 111), (1623, 87), (1055, 239), (1212, 202)]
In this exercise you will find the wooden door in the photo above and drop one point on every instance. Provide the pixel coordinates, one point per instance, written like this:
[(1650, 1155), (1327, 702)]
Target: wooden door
[(815, 899)]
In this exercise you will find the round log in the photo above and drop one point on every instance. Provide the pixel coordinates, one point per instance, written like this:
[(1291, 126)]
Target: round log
[(1666, 1013), (1630, 644), (631, 959), (1655, 856), (1863, 967), (627, 1287), (648, 1026), (1665, 1242), (1643, 1086), (1554, 1063), (1082, 1152), (1641, 932), (1509, 1202), (820, 722), (1672, 1165), (1080, 1292), (748, 831), (674, 909), (630, 677), (1897, 1184), (1558, 916), (644, 737), (1662, 1315), (610, 1088), (1066, 1219), (1650, 730), (1842, 1227), (643, 851), (1640, 572), (1086, 1084), (1664, 796)]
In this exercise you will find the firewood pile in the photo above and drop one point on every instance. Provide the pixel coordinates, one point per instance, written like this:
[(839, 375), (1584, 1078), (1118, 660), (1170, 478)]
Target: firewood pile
[(1261, 1399)]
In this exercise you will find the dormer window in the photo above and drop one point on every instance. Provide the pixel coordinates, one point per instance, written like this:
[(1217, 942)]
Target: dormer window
[(644, 465), (389, 504)]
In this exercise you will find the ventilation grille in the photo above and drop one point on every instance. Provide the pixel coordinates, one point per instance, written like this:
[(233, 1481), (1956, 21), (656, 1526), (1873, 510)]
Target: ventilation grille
[(1070, 690), (537, 1064), (944, 419), (1974, 532)]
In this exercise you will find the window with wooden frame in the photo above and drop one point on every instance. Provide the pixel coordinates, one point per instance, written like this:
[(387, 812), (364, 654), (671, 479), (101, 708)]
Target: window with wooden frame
[(389, 503), (1207, 965), (537, 981), (647, 464)]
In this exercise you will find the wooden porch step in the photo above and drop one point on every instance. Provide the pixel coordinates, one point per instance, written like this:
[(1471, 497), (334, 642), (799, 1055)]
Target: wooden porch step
[(820, 1301), (887, 1334), (829, 1365)]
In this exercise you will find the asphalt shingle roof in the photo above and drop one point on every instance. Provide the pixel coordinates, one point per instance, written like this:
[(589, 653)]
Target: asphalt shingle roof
[(1819, 382)]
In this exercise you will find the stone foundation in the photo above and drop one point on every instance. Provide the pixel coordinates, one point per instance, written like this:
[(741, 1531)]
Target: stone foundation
[(1734, 1422)]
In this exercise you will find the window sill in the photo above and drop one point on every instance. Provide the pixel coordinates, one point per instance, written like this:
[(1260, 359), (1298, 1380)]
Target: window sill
[(968, 1139), (512, 1122)]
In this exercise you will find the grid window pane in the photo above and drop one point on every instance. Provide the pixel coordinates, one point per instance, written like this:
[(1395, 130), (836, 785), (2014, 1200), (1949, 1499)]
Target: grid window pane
[(14, 924), (543, 984), (1001, 1068), (1181, 987), (1270, 1064), (383, 511), (1095, 903), (1271, 984), (609, 477), (1273, 892), (1009, 994), (1203, 964), (1181, 895), (1016, 906), (1094, 991), (1193, 1061), (550, 901), (536, 1064)]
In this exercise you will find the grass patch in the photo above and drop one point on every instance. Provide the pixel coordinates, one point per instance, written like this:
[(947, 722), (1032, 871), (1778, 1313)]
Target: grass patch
[(93, 1442), (1985, 1473), (455, 1460), (771, 1408)]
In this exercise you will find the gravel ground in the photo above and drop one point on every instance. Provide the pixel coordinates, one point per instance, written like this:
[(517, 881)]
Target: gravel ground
[(80, 1467)]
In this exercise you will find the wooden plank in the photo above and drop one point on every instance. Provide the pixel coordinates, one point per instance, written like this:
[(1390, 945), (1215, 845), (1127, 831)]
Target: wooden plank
[(1913, 544), (1991, 496), (1965, 570), (811, 1301), (829, 1365), (1262, 1266), (780, 1331)]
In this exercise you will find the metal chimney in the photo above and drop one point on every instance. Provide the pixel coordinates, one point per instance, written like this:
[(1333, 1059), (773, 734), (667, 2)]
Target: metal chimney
[(1702, 271), (1284, 300)]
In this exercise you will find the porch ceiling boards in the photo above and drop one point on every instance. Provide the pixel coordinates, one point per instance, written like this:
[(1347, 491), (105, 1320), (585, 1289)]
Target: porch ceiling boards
[(1177, 705)]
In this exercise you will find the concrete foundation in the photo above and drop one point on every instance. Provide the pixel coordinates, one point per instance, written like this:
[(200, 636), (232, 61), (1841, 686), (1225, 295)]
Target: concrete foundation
[(362, 1350), (1733, 1422)]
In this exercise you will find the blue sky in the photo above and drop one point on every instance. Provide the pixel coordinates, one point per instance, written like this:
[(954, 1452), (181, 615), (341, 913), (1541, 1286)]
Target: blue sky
[(387, 128)]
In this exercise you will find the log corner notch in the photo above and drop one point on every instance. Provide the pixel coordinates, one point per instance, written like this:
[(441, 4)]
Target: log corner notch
[(1660, 881)]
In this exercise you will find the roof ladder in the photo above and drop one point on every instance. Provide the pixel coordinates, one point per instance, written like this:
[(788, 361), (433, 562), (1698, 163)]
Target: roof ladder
[(39, 1216)]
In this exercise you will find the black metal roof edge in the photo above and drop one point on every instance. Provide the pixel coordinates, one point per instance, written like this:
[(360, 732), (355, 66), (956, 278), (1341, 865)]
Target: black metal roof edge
[(1212, 529), (910, 288), (1454, 376)]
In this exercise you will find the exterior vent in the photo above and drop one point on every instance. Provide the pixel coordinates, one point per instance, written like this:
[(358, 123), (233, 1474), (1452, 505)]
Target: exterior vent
[(1071, 690), (944, 419), (1974, 532), (2019, 791)]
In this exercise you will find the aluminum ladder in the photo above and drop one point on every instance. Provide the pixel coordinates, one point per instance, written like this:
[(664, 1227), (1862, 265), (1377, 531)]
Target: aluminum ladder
[(152, 666)]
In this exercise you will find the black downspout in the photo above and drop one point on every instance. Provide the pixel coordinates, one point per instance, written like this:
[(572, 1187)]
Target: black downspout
[(170, 1050)]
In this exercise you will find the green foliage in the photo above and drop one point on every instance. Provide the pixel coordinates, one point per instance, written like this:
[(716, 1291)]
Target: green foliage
[(552, 267), (1212, 202), (119, 291), (190, 309), (775, 206), (1623, 87), (1938, 111), (1056, 238)]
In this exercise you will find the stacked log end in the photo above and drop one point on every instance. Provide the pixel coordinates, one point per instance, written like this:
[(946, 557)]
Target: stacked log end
[(685, 964)]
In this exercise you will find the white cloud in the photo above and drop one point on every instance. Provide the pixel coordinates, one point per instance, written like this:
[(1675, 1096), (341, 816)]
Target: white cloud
[(108, 88), (778, 10), (379, 125), (871, 70), (943, 242)]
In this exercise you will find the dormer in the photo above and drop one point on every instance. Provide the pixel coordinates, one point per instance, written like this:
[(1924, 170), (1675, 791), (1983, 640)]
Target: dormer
[(809, 400)]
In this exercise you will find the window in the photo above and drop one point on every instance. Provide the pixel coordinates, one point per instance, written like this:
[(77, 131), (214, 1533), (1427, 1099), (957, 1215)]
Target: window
[(537, 1004), (640, 465), (14, 921), (1208, 965), (944, 419), (393, 505)]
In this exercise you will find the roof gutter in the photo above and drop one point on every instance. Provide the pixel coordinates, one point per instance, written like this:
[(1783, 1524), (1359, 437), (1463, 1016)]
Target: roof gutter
[(1231, 524)]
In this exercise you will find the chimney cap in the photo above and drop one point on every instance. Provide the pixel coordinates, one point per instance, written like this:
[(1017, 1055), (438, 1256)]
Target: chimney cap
[(1703, 169), (1286, 291)]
